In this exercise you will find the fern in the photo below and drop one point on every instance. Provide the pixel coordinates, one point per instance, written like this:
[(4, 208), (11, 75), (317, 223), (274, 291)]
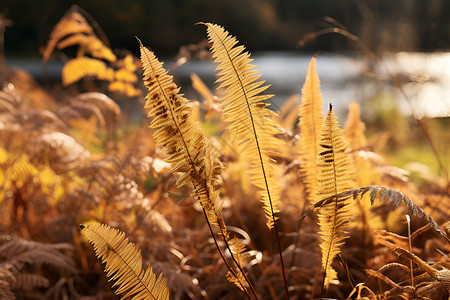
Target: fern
[(249, 120), (81, 67), (384, 194), (365, 173), (22, 262), (124, 263), (88, 44), (354, 128), (248, 117), (310, 122), (190, 153), (335, 175), (180, 137), (72, 23)]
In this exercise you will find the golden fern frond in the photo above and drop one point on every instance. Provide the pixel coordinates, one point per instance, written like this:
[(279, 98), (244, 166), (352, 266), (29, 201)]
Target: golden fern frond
[(89, 44), (124, 263), (384, 194), (365, 173), (310, 121), (237, 248), (354, 128), (335, 176), (190, 153), (179, 136), (78, 68), (249, 119), (125, 88), (71, 23)]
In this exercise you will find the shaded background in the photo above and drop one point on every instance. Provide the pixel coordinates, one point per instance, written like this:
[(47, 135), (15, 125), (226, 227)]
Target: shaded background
[(165, 25)]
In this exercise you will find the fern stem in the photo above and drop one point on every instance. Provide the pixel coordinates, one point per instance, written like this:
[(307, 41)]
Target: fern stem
[(234, 259), (123, 261), (221, 254)]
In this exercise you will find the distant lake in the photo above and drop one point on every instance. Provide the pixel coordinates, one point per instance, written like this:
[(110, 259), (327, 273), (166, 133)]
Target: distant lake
[(424, 77)]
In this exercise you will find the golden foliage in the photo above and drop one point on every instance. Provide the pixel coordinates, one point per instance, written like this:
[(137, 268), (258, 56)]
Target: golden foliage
[(354, 128), (335, 176), (89, 44), (310, 121), (249, 119), (124, 263), (74, 30), (202, 89), (78, 68), (17, 171), (190, 152), (72, 23), (180, 137)]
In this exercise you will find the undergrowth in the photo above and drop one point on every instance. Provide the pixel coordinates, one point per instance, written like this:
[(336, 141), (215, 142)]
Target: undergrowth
[(260, 205)]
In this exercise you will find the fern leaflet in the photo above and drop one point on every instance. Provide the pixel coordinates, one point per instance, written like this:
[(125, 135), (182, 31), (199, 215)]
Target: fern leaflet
[(124, 263)]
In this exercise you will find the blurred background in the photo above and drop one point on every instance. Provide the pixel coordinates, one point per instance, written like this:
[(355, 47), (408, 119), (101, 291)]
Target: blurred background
[(263, 25), (375, 52)]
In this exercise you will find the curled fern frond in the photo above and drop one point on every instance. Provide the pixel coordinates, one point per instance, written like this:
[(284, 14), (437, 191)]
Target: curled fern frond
[(384, 194), (124, 263)]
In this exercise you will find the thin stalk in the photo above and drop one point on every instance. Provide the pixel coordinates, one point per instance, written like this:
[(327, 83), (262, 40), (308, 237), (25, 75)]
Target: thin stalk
[(408, 221)]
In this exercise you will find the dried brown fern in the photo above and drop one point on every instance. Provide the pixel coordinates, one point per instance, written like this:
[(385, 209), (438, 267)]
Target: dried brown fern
[(22, 262), (124, 263)]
